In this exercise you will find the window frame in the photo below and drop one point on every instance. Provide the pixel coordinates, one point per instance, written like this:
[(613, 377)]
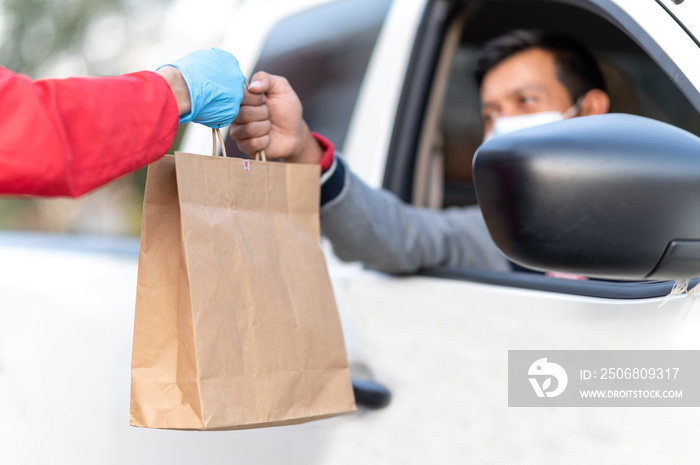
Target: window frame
[(618, 290)]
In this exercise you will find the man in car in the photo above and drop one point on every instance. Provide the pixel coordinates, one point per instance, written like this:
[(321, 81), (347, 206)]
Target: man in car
[(525, 78)]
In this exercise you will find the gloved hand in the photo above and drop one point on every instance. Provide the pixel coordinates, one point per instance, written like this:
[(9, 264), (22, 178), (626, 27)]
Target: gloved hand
[(216, 85)]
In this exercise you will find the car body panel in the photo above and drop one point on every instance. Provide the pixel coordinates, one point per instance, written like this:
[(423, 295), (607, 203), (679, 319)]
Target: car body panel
[(449, 379), (669, 35), (439, 345)]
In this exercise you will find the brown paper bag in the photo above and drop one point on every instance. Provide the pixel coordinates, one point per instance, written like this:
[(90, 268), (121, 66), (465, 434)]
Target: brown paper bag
[(236, 325)]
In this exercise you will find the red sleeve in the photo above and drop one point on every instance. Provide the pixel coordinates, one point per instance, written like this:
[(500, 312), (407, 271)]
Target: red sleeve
[(64, 137), (328, 151)]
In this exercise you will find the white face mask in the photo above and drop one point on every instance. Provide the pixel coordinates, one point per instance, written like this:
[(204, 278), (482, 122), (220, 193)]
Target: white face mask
[(506, 124)]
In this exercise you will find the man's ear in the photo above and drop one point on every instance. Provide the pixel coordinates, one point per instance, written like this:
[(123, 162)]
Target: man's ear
[(594, 102)]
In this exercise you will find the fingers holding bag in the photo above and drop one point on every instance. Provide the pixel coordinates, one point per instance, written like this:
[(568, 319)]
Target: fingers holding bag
[(215, 84)]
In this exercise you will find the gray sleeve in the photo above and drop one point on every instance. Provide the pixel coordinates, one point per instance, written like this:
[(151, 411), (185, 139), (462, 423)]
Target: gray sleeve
[(378, 229)]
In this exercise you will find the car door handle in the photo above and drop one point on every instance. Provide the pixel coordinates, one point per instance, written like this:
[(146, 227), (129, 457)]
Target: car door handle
[(370, 394)]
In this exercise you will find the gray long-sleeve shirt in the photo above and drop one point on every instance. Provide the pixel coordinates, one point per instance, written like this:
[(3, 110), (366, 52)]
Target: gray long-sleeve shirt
[(378, 229)]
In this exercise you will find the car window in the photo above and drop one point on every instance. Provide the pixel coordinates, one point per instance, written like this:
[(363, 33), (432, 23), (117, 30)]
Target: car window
[(636, 84), (324, 53)]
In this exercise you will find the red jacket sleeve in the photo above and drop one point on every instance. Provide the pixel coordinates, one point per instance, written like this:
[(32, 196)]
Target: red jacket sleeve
[(64, 137)]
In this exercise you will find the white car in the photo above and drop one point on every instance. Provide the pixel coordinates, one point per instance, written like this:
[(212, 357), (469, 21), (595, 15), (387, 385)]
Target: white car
[(389, 82)]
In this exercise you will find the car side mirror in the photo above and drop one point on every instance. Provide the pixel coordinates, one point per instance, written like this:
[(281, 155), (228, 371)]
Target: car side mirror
[(609, 196)]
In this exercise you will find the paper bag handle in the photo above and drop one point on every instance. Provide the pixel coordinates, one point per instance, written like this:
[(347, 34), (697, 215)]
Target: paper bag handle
[(216, 133), (260, 154)]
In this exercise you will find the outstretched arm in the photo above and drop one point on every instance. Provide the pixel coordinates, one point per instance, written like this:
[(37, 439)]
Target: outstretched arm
[(378, 229), (65, 137), (363, 224)]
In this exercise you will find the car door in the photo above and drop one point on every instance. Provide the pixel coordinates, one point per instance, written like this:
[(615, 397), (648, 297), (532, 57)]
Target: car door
[(440, 340)]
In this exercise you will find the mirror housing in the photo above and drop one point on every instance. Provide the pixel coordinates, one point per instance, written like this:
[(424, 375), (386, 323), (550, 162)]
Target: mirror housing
[(611, 196)]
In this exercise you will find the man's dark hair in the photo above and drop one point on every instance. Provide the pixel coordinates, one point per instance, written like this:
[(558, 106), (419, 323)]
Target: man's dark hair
[(577, 68)]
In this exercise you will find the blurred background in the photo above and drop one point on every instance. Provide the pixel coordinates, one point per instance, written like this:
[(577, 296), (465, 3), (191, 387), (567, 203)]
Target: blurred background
[(61, 38)]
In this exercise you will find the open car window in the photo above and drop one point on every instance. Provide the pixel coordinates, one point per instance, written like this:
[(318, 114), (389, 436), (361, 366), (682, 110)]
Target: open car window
[(636, 84), (434, 169)]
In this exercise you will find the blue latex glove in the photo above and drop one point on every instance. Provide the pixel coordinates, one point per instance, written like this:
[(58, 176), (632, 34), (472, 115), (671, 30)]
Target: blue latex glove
[(216, 85)]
